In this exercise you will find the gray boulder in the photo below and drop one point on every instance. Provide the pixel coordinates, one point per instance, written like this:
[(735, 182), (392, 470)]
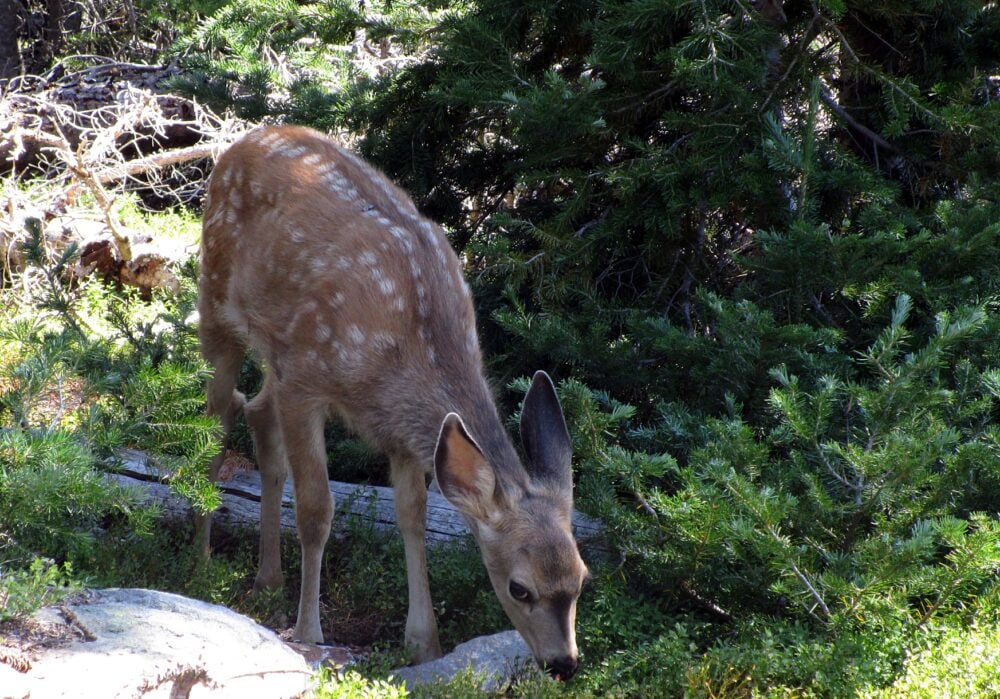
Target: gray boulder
[(499, 659), (142, 643)]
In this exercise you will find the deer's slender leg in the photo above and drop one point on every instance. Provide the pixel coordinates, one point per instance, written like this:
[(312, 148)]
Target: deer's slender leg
[(273, 463), (302, 428), (410, 492), (223, 400)]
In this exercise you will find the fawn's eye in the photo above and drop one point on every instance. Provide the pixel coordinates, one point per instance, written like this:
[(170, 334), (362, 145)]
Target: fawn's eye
[(519, 592)]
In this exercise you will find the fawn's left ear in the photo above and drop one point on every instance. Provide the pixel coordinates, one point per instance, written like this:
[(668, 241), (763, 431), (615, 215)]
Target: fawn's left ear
[(544, 435), (463, 474)]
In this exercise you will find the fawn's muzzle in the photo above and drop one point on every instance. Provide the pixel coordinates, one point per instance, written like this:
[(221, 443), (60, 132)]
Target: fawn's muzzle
[(562, 668)]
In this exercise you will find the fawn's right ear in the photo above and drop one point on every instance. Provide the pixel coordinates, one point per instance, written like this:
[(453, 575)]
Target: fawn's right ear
[(546, 440), (462, 471)]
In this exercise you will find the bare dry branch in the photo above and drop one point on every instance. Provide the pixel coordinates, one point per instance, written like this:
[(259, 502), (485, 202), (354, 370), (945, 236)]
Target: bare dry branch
[(103, 129)]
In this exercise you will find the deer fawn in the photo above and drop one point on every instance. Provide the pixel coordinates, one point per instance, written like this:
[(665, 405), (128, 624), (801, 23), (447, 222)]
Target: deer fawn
[(358, 307)]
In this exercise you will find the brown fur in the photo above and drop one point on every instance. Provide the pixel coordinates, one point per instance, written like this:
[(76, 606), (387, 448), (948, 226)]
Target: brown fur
[(358, 307)]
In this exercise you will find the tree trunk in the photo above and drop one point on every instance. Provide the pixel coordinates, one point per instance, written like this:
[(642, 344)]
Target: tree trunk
[(56, 13), (10, 23)]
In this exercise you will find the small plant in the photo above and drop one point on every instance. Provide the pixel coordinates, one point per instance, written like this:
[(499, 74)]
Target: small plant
[(330, 684), (24, 591)]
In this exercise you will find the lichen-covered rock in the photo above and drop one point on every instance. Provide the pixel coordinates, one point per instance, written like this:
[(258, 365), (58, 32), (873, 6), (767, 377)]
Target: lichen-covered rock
[(142, 643)]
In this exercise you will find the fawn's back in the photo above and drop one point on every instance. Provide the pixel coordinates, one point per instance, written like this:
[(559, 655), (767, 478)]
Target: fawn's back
[(323, 266)]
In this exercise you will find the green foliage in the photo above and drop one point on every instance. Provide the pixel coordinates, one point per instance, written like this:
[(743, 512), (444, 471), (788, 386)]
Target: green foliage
[(351, 685), (22, 592), (52, 499), (957, 662), (85, 371), (844, 514), (756, 241), (267, 59), (760, 243)]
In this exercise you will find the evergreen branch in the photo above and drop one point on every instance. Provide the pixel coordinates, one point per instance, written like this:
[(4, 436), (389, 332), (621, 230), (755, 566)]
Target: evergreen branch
[(60, 411), (829, 467), (812, 590), (846, 45), (706, 604), (830, 101)]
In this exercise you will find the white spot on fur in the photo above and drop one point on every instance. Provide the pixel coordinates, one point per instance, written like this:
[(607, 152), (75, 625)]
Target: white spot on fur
[(344, 263), (266, 138), (322, 332), (368, 258), (335, 180), (385, 285), (347, 357), (294, 151), (231, 216), (276, 145), (422, 307), (399, 304), (298, 235), (403, 237), (338, 299), (214, 217), (356, 334), (313, 159), (383, 340)]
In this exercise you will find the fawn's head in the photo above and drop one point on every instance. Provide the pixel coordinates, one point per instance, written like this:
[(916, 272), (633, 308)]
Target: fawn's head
[(522, 523)]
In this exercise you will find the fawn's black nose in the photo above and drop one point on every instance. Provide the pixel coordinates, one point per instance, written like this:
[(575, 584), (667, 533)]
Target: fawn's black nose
[(562, 668)]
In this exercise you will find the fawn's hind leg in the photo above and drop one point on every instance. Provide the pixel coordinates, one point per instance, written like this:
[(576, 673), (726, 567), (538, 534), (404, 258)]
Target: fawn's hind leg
[(302, 421), (225, 357), (272, 461)]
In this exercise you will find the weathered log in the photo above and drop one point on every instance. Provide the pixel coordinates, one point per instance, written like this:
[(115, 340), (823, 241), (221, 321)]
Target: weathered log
[(372, 504)]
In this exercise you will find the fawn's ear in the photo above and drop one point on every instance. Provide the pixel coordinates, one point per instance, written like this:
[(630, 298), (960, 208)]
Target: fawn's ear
[(544, 435), (462, 471)]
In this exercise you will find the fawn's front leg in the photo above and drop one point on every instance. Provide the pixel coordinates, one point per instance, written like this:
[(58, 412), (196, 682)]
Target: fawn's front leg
[(410, 492)]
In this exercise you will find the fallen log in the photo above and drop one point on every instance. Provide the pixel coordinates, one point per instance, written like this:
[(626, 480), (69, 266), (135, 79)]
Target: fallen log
[(371, 504)]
